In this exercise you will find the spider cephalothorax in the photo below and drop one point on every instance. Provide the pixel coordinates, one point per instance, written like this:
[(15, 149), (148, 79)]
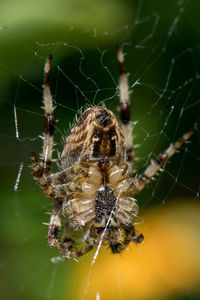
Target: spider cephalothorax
[(95, 189)]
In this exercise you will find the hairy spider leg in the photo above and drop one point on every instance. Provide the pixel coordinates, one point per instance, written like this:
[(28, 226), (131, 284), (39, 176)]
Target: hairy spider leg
[(67, 250), (55, 224), (42, 169), (131, 235), (157, 164), (125, 107)]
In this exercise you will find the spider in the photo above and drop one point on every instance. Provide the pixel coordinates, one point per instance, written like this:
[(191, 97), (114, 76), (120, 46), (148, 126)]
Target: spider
[(95, 189)]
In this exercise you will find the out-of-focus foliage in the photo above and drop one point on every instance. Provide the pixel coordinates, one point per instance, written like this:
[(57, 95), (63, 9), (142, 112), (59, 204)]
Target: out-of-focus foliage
[(26, 25)]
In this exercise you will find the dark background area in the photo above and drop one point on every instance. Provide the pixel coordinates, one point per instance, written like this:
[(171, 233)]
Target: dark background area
[(162, 52)]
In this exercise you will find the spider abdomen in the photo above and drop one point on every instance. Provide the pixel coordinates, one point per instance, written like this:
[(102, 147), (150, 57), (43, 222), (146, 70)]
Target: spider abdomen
[(96, 135)]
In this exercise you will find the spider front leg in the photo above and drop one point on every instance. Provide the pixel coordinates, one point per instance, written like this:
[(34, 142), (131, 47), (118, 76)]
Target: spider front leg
[(157, 164), (41, 170), (125, 108)]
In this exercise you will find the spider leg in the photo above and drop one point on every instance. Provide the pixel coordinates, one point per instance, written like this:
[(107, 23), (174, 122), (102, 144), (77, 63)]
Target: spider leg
[(131, 235), (58, 185), (68, 250), (55, 224), (53, 186), (157, 164), (67, 175), (42, 169), (67, 245), (125, 108)]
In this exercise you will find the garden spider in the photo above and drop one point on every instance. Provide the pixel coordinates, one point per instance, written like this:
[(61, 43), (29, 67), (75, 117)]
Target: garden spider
[(95, 189)]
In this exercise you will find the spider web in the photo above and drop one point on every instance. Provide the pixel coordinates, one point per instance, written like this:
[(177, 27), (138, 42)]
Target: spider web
[(160, 42)]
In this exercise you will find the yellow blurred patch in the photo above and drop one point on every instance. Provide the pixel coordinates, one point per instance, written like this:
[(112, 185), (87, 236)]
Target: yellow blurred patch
[(166, 264)]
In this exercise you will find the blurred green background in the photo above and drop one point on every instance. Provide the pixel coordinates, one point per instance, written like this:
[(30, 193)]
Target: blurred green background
[(162, 51)]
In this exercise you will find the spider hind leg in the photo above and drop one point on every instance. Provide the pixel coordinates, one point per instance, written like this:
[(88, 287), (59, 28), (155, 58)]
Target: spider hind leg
[(68, 251), (131, 236)]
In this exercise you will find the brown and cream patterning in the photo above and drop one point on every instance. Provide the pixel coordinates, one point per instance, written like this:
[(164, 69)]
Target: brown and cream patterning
[(95, 189)]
